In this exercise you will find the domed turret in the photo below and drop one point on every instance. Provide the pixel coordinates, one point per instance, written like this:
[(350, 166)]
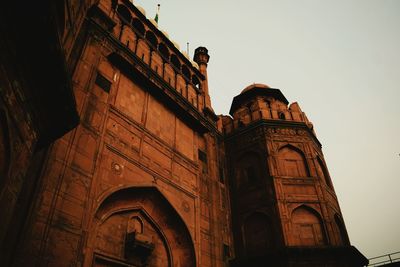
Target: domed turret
[(253, 91), (259, 101)]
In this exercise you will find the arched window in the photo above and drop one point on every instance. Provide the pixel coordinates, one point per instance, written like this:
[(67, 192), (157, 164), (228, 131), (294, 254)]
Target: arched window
[(344, 239), (163, 50), (282, 116), (138, 26), (175, 62), (292, 162), (196, 81), (152, 38), (323, 172), (307, 227), (186, 72), (124, 13), (258, 234)]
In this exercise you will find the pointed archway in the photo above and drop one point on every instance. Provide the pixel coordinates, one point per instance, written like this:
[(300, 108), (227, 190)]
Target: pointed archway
[(163, 239)]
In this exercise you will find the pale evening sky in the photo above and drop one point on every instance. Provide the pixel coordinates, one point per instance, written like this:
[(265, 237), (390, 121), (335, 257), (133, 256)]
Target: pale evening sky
[(340, 60)]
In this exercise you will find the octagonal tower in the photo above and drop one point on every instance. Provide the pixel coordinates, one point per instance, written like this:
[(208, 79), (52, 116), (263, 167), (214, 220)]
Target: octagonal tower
[(284, 208)]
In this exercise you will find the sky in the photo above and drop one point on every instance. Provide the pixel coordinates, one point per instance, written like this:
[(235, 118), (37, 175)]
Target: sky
[(340, 60)]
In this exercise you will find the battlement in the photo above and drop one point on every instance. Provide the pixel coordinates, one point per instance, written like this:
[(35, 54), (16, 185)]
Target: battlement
[(153, 46)]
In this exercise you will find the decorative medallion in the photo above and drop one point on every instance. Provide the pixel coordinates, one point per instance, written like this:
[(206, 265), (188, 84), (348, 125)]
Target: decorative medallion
[(116, 168)]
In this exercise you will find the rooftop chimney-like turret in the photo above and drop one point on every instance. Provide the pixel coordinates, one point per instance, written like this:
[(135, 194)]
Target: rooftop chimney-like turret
[(201, 57)]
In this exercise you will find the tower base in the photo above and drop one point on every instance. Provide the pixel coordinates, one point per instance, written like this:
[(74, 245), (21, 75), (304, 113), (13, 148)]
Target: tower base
[(347, 256)]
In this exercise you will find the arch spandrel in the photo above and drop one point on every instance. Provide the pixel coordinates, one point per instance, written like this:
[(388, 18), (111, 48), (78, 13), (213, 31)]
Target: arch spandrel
[(183, 205)]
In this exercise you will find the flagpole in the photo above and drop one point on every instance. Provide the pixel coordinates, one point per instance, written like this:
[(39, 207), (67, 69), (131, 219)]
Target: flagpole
[(158, 11)]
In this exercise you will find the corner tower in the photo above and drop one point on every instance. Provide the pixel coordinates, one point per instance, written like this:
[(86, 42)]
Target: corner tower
[(284, 208), (201, 57)]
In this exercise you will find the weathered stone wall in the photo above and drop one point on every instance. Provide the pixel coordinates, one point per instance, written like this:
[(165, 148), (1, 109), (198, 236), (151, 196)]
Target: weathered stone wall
[(129, 138), (144, 178)]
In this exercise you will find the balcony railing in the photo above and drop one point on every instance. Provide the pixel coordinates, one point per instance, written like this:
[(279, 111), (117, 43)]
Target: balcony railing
[(385, 259)]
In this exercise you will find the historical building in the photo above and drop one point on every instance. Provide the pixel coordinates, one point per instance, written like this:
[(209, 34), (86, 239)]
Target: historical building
[(111, 153)]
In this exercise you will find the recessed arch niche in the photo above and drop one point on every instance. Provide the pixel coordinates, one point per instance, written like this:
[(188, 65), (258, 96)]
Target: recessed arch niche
[(147, 212), (124, 13), (307, 227), (151, 37), (138, 26), (163, 50), (292, 162), (186, 72), (175, 62)]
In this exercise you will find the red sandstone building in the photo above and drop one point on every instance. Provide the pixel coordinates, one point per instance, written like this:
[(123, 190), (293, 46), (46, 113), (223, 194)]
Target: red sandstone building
[(111, 154)]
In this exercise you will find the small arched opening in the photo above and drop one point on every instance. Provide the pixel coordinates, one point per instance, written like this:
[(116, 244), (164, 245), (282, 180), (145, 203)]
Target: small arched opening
[(292, 162), (124, 13), (196, 81), (151, 37), (307, 227), (175, 62), (138, 26), (186, 72), (163, 51)]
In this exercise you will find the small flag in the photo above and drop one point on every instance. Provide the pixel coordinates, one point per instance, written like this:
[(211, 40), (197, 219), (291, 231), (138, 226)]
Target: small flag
[(158, 11)]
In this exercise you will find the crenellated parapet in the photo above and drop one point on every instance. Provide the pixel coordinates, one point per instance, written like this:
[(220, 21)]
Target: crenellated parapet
[(261, 102), (142, 37)]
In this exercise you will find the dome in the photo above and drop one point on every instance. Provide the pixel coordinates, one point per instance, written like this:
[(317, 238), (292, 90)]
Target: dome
[(255, 90), (255, 85), (141, 9)]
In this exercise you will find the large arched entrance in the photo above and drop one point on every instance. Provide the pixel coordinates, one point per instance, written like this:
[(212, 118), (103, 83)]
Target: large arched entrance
[(137, 226)]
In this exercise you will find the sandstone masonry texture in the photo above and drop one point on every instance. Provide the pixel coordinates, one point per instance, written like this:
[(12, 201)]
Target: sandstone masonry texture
[(111, 153)]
